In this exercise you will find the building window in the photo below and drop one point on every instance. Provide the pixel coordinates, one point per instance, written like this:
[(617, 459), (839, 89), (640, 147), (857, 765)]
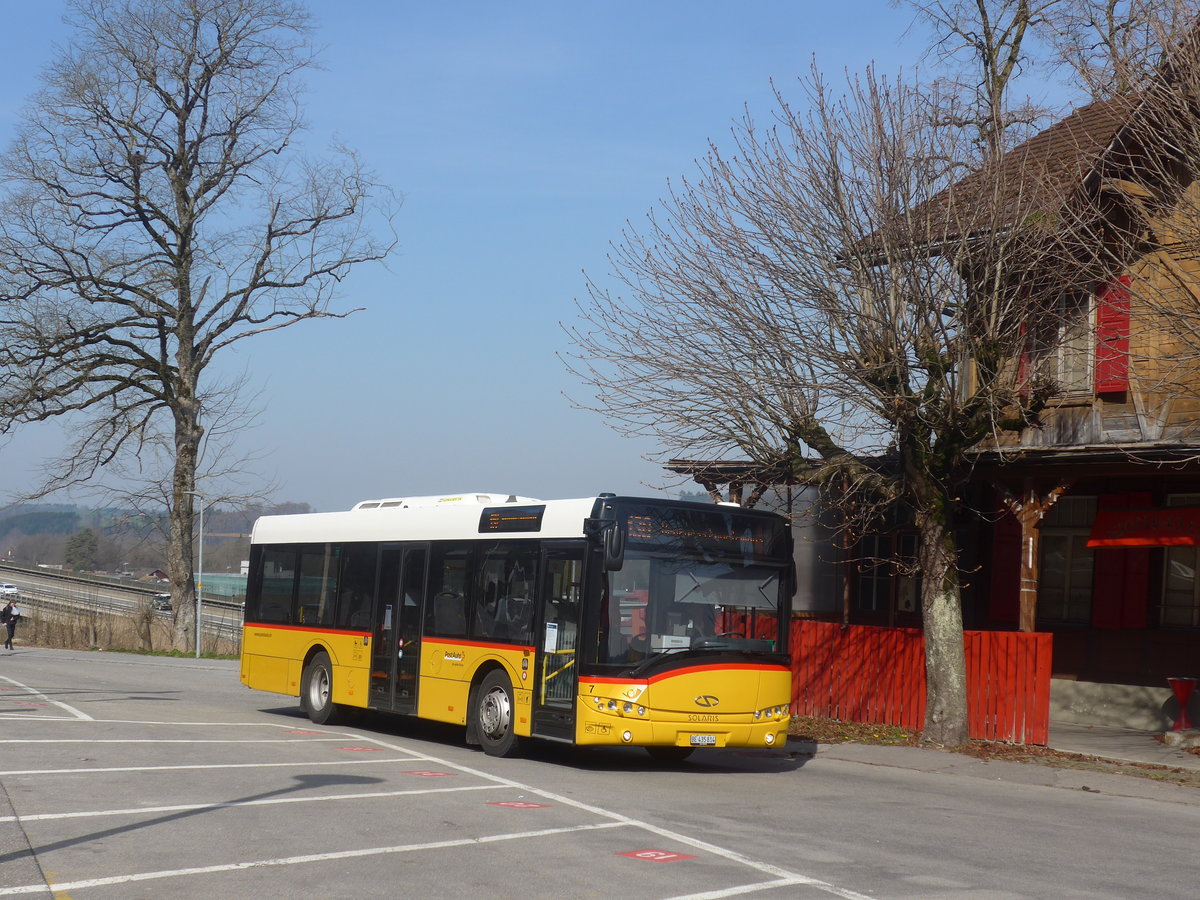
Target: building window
[(908, 582), (1063, 346), (1065, 575), (875, 574), (1179, 605), (887, 574)]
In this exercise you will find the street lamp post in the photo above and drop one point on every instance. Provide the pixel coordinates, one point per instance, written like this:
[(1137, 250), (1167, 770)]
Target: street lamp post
[(200, 580)]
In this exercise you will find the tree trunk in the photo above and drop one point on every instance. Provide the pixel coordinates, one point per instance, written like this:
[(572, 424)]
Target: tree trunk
[(182, 518), (941, 607)]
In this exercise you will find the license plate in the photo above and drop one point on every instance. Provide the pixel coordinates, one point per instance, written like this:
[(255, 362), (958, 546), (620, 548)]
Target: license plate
[(703, 740)]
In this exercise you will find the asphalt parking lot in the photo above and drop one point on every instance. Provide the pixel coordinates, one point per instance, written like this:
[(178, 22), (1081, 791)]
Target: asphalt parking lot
[(148, 777)]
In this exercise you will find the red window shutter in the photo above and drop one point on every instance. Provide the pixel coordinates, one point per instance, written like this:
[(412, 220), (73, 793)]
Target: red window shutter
[(1024, 366), (1112, 336)]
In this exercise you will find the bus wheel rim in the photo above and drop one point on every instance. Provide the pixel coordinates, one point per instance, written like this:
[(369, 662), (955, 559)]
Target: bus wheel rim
[(495, 713), (319, 691)]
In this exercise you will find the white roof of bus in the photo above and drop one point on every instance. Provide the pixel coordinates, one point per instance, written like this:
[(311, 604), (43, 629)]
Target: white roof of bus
[(439, 518)]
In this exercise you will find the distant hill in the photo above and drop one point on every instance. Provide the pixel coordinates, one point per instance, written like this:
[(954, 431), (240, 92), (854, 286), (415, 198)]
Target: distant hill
[(61, 520), (34, 522), (37, 534)]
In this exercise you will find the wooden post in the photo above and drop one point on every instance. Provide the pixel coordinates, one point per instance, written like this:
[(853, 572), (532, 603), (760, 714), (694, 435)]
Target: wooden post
[(1029, 511), (1030, 518)]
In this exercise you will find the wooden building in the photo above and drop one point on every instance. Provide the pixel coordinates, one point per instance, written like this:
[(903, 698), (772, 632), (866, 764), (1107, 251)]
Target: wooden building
[(1094, 525)]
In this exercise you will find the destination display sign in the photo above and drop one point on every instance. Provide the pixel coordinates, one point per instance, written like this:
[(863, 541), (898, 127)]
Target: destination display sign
[(725, 530), (508, 519)]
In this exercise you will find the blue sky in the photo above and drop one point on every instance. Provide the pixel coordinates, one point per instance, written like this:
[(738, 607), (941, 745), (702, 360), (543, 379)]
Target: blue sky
[(522, 136)]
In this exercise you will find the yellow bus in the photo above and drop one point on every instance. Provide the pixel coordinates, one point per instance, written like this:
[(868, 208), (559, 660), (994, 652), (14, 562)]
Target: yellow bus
[(606, 620)]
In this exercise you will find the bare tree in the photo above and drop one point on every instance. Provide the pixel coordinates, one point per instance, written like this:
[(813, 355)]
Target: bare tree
[(981, 46), (1114, 47), (838, 304), (154, 217)]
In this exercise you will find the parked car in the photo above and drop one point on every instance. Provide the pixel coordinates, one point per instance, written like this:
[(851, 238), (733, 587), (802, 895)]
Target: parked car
[(9, 590), (162, 601)]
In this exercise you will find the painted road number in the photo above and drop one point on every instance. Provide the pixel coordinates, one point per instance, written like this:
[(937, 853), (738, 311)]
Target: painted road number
[(656, 855), (519, 804)]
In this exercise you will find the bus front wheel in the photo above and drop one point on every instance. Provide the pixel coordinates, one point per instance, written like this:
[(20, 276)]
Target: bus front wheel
[(316, 690), (493, 713)]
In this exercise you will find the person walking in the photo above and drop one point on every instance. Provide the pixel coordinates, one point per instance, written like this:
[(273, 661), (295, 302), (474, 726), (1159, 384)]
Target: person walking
[(9, 616)]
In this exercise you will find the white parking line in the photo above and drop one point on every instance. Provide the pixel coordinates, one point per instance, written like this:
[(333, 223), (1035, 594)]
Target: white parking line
[(783, 877), (309, 740), (743, 889), (233, 804), (76, 713), (777, 877), (66, 886), (209, 767)]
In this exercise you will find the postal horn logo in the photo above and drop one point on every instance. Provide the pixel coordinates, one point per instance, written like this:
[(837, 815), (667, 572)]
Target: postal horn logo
[(707, 700)]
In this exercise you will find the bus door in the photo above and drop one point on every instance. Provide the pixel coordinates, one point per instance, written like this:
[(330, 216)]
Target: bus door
[(395, 656), (556, 672)]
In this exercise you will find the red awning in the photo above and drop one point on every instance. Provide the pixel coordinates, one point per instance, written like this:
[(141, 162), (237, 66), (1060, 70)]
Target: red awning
[(1177, 526)]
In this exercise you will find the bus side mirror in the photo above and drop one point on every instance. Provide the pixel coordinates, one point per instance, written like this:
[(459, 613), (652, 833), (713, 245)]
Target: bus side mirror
[(614, 548)]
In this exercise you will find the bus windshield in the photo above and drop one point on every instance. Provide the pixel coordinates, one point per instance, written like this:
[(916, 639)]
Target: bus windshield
[(657, 605), (721, 584)]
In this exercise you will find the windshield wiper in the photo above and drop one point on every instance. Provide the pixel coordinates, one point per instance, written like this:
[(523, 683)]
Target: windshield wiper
[(649, 661)]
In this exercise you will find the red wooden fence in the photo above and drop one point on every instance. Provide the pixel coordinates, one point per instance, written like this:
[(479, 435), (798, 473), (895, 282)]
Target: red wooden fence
[(862, 673)]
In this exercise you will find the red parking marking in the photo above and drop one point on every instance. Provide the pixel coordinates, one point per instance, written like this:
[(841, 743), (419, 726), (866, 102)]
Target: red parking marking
[(656, 855), (362, 749), (26, 703), (421, 774), (301, 731), (519, 804)]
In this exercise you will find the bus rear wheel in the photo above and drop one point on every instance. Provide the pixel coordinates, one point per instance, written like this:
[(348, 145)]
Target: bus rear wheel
[(316, 690), (493, 715)]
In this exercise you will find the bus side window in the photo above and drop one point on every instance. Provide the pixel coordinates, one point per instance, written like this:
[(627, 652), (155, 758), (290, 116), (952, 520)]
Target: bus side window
[(276, 596), (505, 591), (318, 584), (521, 588), (490, 621), (356, 589), (448, 584)]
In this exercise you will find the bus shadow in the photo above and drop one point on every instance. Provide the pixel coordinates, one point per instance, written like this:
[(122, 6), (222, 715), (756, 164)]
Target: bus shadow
[(382, 723), (789, 758), (636, 759)]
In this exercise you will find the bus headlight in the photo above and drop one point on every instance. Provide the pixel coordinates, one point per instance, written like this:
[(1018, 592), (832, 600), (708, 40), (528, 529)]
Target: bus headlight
[(770, 737), (771, 712)]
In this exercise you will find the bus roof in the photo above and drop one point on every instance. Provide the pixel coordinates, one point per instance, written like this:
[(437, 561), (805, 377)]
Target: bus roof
[(436, 518)]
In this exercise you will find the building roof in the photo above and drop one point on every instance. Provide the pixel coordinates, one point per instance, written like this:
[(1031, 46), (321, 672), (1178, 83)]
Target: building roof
[(1036, 177)]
